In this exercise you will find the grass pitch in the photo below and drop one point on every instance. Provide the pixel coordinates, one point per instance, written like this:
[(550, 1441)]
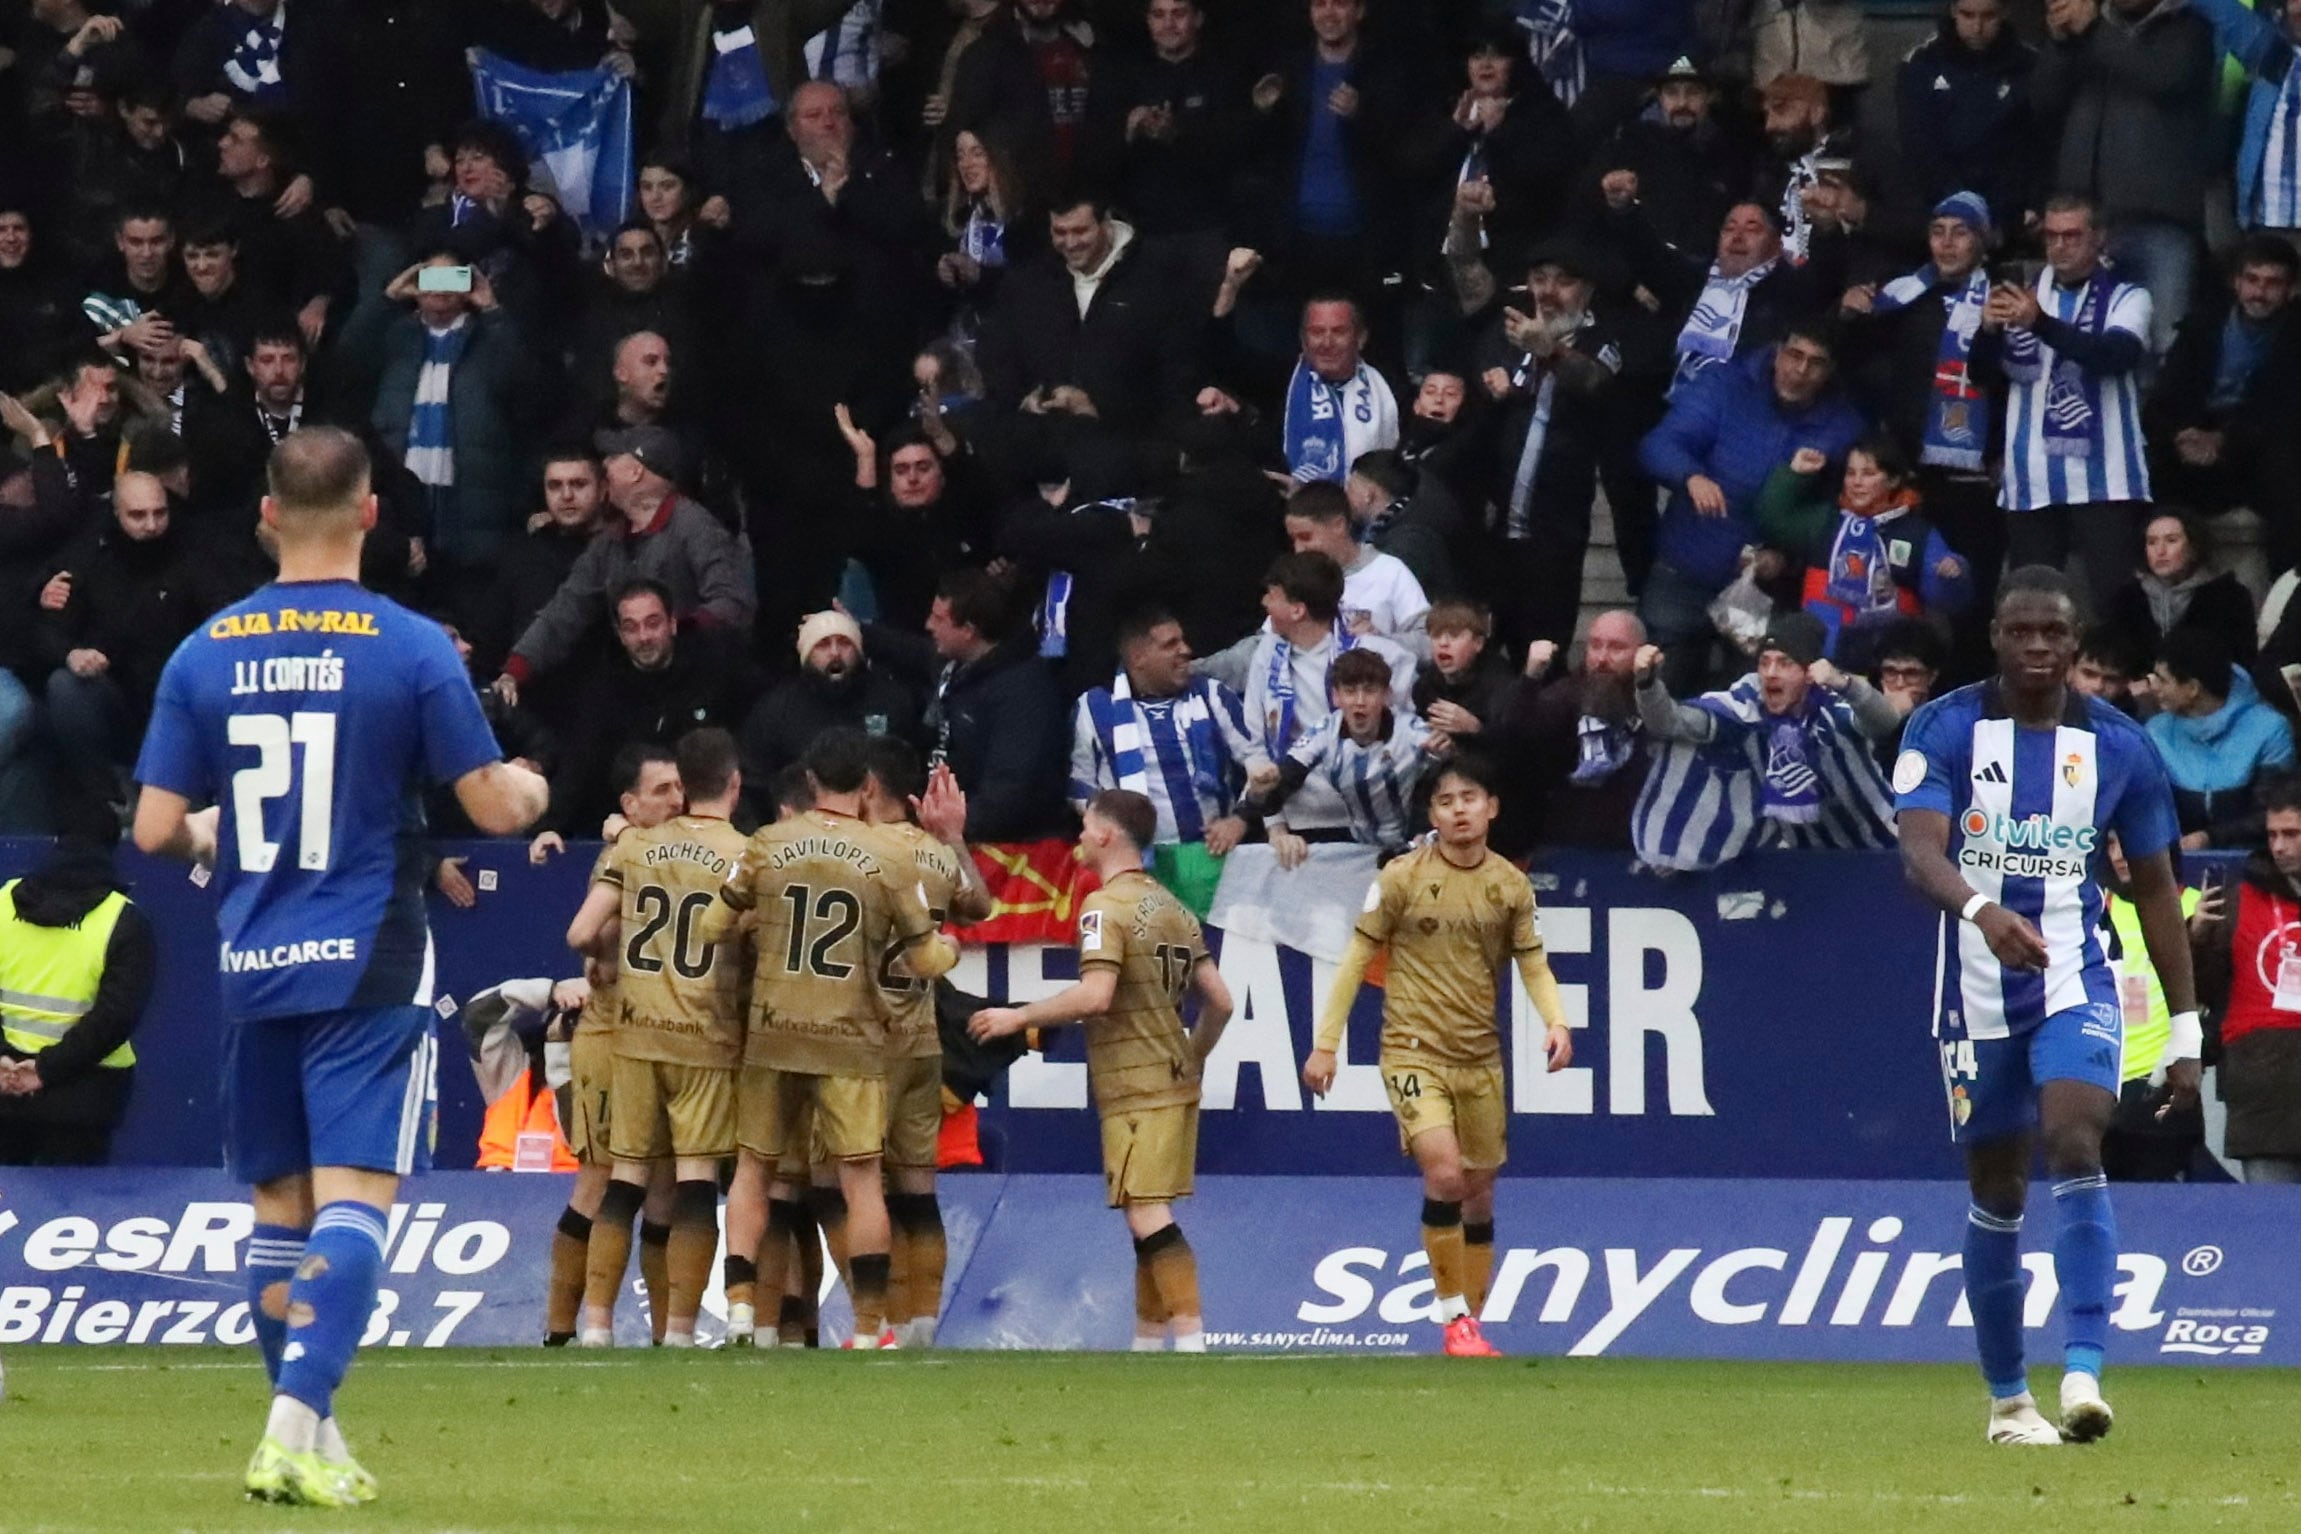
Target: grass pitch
[(116, 1439)]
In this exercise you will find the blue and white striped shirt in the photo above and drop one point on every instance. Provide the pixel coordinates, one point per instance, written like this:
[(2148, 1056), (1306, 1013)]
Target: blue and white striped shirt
[(1375, 779), (2028, 809), (2111, 463), (1186, 754)]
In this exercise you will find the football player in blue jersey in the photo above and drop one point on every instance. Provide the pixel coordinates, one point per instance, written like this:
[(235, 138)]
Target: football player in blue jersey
[(311, 719), (2007, 791)]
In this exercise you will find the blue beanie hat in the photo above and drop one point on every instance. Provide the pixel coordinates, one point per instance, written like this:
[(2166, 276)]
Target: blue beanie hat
[(1970, 207)]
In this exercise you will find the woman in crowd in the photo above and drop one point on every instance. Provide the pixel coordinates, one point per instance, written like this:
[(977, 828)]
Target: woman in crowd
[(2175, 589), (989, 225)]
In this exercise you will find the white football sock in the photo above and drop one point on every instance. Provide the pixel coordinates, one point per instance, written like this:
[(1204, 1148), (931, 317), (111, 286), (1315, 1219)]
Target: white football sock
[(295, 1426)]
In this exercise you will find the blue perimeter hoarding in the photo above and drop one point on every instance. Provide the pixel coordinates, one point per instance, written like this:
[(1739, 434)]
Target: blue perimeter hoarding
[(1770, 1020), (1777, 1269)]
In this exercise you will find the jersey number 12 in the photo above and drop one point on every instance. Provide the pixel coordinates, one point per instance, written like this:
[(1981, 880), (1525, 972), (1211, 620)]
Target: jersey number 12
[(276, 736)]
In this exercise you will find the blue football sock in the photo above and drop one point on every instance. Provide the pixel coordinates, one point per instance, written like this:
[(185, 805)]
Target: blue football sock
[(329, 1303), (273, 1252), (2085, 1259), (1993, 1294)]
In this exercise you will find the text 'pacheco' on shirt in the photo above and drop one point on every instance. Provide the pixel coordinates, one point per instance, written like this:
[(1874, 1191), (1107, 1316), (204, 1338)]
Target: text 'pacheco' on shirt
[(316, 714), (2030, 811)]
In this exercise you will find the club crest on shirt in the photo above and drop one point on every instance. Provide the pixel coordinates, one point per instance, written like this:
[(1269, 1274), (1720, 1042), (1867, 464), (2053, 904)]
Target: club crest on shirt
[(1429, 924), (2073, 769)]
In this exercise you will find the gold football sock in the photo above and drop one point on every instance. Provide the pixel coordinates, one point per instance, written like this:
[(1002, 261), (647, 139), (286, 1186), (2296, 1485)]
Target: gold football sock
[(1478, 1261), (570, 1254), (1442, 1239), (1174, 1269), (869, 1292), (655, 1273), (1150, 1310), (608, 1251)]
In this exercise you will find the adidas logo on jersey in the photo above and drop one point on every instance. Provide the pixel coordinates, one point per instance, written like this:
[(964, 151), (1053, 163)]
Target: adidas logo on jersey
[(1993, 773)]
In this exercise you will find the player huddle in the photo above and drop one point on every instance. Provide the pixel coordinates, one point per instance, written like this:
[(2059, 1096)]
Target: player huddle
[(766, 999)]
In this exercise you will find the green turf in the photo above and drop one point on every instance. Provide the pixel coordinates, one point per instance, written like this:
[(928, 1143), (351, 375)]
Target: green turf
[(104, 1439)]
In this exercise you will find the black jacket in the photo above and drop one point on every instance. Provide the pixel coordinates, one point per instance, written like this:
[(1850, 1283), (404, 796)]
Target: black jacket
[(74, 1086), (1966, 124), (1132, 353), (1686, 181), (1890, 360), (2182, 395), (1000, 723), (1374, 140), (1181, 183), (2221, 606), (788, 717), (133, 601), (706, 683)]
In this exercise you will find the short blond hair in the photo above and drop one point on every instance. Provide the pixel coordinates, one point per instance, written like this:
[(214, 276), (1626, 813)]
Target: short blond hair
[(318, 473)]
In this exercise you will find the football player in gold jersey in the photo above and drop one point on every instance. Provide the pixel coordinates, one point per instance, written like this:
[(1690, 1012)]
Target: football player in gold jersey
[(1140, 953), (679, 1030), (835, 897), (927, 814), (647, 779), (1451, 913)]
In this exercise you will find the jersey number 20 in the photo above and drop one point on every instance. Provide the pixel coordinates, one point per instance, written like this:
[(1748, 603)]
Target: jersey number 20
[(276, 736)]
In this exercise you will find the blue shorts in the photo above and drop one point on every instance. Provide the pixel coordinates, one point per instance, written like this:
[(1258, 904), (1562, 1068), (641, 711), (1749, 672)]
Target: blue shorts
[(350, 1089), (1992, 1083)]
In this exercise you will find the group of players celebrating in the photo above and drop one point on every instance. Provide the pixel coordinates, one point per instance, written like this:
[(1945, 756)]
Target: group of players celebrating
[(770, 998)]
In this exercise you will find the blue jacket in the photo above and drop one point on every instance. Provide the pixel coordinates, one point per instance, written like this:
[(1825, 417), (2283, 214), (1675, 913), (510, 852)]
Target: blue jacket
[(1636, 39), (2261, 47), (2215, 762), (1729, 425)]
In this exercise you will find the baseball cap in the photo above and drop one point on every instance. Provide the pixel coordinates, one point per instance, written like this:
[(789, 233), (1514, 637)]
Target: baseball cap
[(653, 446)]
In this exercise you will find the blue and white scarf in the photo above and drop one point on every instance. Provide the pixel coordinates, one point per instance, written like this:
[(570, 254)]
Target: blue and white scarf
[(1179, 736), (1328, 425), (984, 239), (1956, 428), (736, 94), (1055, 606), (1279, 684), (253, 66), (1808, 780), (1554, 46), (1714, 330), (2072, 399), (430, 426), (847, 52)]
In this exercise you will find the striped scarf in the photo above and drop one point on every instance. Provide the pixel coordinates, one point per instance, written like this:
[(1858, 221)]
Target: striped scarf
[(430, 426), (2277, 193), (1713, 332), (736, 93), (1279, 684), (2073, 396), (1179, 735), (1554, 47), (1705, 805), (253, 66)]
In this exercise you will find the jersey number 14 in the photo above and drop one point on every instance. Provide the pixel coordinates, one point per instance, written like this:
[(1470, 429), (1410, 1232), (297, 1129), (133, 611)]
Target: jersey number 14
[(275, 737)]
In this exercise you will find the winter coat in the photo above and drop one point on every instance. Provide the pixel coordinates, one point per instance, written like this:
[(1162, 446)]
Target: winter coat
[(2216, 762), (684, 547), (2131, 103), (1728, 424), (1967, 123), (492, 394), (2218, 603)]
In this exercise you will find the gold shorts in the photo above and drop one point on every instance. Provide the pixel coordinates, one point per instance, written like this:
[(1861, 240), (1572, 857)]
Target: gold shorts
[(591, 1073), (1150, 1154), (662, 1109), (914, 1112), (1468, 1099), (838, 1118)]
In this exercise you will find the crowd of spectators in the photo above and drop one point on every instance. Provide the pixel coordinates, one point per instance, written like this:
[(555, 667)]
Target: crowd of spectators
[(1208, 397)]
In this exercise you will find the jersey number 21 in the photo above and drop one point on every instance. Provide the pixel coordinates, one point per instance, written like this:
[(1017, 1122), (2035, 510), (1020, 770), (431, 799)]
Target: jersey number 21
[(276, 736)]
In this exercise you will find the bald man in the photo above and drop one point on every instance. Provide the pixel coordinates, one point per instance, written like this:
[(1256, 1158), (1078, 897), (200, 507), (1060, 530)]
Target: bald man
[(1572, 739)]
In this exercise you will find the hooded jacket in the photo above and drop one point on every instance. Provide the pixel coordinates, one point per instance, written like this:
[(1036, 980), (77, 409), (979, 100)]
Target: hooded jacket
[(77, 877), (2216, 760)]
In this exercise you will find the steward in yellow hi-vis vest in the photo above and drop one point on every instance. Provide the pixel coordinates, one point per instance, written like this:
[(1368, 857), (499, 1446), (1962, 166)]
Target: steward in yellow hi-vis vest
[(76, 963)]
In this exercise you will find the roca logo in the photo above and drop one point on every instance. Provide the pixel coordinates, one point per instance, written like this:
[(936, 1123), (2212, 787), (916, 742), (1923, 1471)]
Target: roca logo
[(2213, 1338)]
